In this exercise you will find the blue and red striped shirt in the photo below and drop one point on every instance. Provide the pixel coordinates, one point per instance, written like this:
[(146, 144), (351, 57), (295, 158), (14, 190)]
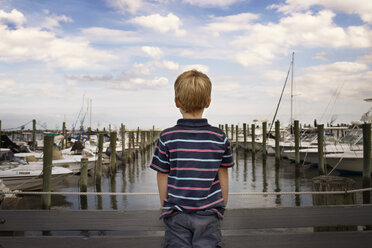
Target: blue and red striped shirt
[(191, 153)]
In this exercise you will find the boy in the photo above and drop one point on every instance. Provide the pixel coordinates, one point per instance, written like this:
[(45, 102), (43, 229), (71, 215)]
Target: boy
[(191, 159)]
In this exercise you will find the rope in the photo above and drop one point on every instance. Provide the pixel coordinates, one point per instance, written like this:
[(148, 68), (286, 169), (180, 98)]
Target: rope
[(155, 194)]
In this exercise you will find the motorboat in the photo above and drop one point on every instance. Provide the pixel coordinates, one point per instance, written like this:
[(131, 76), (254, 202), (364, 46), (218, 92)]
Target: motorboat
[(28, 177), (350, 162)]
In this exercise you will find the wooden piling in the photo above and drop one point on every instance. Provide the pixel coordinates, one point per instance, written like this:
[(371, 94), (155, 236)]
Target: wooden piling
[(232, 132), (99, 159), (227, 130), (47, 170), (237, 137), (137, 136), (297, 141), (84, 174), (89, 131), (321, 166), (253, 138), (245, 135), (113, 136), (277, 140), (130, 145), (122, 142), (264, 136), (34, 135), (367, 162), (64, 135)]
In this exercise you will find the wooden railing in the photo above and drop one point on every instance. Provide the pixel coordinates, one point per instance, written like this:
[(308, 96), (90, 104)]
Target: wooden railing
[(265, 227)]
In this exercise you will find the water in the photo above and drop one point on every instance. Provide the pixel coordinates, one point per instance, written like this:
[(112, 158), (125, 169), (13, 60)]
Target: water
[(250, 174)]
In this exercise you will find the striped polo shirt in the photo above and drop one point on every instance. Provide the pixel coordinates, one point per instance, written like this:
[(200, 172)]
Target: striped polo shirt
[(191, 154)]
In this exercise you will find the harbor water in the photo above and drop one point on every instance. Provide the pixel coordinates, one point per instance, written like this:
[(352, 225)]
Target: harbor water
[(251, 173)]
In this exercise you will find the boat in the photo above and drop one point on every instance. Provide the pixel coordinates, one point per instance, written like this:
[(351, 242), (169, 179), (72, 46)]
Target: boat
[(72, 162), (28, 177), (350, 162)]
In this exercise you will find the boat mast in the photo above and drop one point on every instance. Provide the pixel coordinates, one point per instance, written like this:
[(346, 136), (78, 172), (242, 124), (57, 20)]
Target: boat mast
[(90, 116), (292, 92)]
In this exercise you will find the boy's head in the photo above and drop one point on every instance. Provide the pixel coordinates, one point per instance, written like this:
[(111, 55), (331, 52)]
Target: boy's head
[(192, 91)]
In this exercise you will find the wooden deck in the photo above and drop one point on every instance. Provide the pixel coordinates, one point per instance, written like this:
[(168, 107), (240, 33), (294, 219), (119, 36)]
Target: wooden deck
[(269, 227)]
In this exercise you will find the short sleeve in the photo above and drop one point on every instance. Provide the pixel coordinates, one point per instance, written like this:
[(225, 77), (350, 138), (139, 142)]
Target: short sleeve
[(160, 160), (227, 158)]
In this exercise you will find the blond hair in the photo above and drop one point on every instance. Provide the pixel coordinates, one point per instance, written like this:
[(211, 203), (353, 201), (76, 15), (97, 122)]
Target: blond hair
[(192, 90)]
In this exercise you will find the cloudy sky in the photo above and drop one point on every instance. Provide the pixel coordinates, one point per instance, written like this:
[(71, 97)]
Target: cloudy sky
[(124, 55)]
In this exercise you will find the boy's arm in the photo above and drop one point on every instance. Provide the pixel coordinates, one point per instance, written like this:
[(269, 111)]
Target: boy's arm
[(162, 186), (223, 176)]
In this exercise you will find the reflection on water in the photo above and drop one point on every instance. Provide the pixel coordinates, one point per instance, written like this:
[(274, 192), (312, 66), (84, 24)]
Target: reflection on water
[(251, 173)]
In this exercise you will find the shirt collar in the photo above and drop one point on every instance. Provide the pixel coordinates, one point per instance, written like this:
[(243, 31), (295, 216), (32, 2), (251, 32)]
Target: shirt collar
[(193, 122)]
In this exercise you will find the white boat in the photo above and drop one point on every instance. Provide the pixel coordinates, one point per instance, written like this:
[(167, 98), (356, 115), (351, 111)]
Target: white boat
[(72, 162), (350, 162), (28, 177)]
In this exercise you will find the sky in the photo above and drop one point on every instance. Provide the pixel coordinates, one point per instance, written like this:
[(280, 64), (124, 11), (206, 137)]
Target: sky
[(123, 56)]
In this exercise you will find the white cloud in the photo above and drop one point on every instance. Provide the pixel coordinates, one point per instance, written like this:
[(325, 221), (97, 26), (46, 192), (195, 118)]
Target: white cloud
[(321, 56), (321, 82), (53, 21), (362, 8), (202, 68), (6, 83), (33, 43), (142, 76), (131, 6), (100, 34), (258, 45), (154, 52), (211, 3), (170, 65), (231, 23), (367, 59), (124, 81), (163, 24), (12, 18)]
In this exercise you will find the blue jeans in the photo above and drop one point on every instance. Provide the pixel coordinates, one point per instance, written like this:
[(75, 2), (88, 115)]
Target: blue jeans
[(196, 230)]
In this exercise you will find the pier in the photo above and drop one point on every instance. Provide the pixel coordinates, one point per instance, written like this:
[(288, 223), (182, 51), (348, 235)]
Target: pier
[(243, 227)]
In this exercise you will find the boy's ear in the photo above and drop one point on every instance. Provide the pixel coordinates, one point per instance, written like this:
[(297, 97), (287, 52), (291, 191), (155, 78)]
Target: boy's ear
[(208, 103), (177, 103)]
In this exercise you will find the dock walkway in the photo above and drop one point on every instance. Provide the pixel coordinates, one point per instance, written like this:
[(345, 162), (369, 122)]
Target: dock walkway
[(264, 227)]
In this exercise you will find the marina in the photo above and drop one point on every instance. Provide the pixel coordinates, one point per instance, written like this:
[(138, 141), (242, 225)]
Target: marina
[(267, 193)]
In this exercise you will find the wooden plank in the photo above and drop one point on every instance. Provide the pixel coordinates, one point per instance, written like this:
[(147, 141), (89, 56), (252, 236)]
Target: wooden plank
[(292, 217), (266, 240)]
